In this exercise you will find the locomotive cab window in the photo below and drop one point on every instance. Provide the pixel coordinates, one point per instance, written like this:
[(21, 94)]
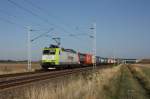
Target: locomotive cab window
[(46, 52), (51, 52)]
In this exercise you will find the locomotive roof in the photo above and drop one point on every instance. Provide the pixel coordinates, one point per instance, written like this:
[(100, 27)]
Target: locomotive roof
[(69, 50), (53, 46), (63, 49)]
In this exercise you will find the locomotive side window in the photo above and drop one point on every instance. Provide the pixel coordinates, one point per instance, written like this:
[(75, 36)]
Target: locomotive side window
[(52, 52)]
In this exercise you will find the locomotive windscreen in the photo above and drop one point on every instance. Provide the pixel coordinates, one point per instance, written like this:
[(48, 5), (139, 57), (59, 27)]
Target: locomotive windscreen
[(46, 52), (51, 52)]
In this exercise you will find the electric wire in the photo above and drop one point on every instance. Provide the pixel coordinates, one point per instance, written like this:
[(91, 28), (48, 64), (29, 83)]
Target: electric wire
[(36, 15), (3, 12), (45, 12), (13, 23), (29, 11), (43, 34), (54, 17)]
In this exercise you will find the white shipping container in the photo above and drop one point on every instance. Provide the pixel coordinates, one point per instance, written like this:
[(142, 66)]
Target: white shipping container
[(68, 57)]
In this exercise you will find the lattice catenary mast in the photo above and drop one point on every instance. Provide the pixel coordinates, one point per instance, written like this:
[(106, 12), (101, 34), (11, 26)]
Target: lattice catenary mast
[(93, 28)]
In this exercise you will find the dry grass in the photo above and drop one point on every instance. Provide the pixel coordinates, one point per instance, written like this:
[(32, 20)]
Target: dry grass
[(142, 77), (8, 68), (144, 61), (108, 83), (81, 87), (142, 65)]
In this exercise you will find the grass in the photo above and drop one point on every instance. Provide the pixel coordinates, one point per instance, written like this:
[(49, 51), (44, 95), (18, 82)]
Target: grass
[(146, 71), (8, 68), (142, 75), (129, 87), (109, 83), (87, 85)]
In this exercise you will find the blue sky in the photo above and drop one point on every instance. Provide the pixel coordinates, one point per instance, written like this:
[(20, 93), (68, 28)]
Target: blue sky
[(123, 26)]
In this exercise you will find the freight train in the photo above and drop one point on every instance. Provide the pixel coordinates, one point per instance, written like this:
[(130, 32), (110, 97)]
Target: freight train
[(56, 57)]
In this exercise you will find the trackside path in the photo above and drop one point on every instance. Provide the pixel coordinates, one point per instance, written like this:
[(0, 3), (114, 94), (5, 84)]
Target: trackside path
[(129, 86), (143, 80)]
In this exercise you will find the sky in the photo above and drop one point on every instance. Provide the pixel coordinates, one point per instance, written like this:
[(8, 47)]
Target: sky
[(122, 27)]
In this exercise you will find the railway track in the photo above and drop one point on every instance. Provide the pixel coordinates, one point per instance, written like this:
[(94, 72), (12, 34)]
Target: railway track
[(9, 82)]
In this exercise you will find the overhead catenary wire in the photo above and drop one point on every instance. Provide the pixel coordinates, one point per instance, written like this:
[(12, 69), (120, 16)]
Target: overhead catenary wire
[(54, 17), (29, 11), (12, 16), (4, 12), (36, 15), (8, 21), (13, 23), (24, 27), (46, 12), (43, 34), (41, 18), (20, 25)]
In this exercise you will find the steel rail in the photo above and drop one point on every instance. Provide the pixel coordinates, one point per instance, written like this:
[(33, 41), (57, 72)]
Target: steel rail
[(13, 82)]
